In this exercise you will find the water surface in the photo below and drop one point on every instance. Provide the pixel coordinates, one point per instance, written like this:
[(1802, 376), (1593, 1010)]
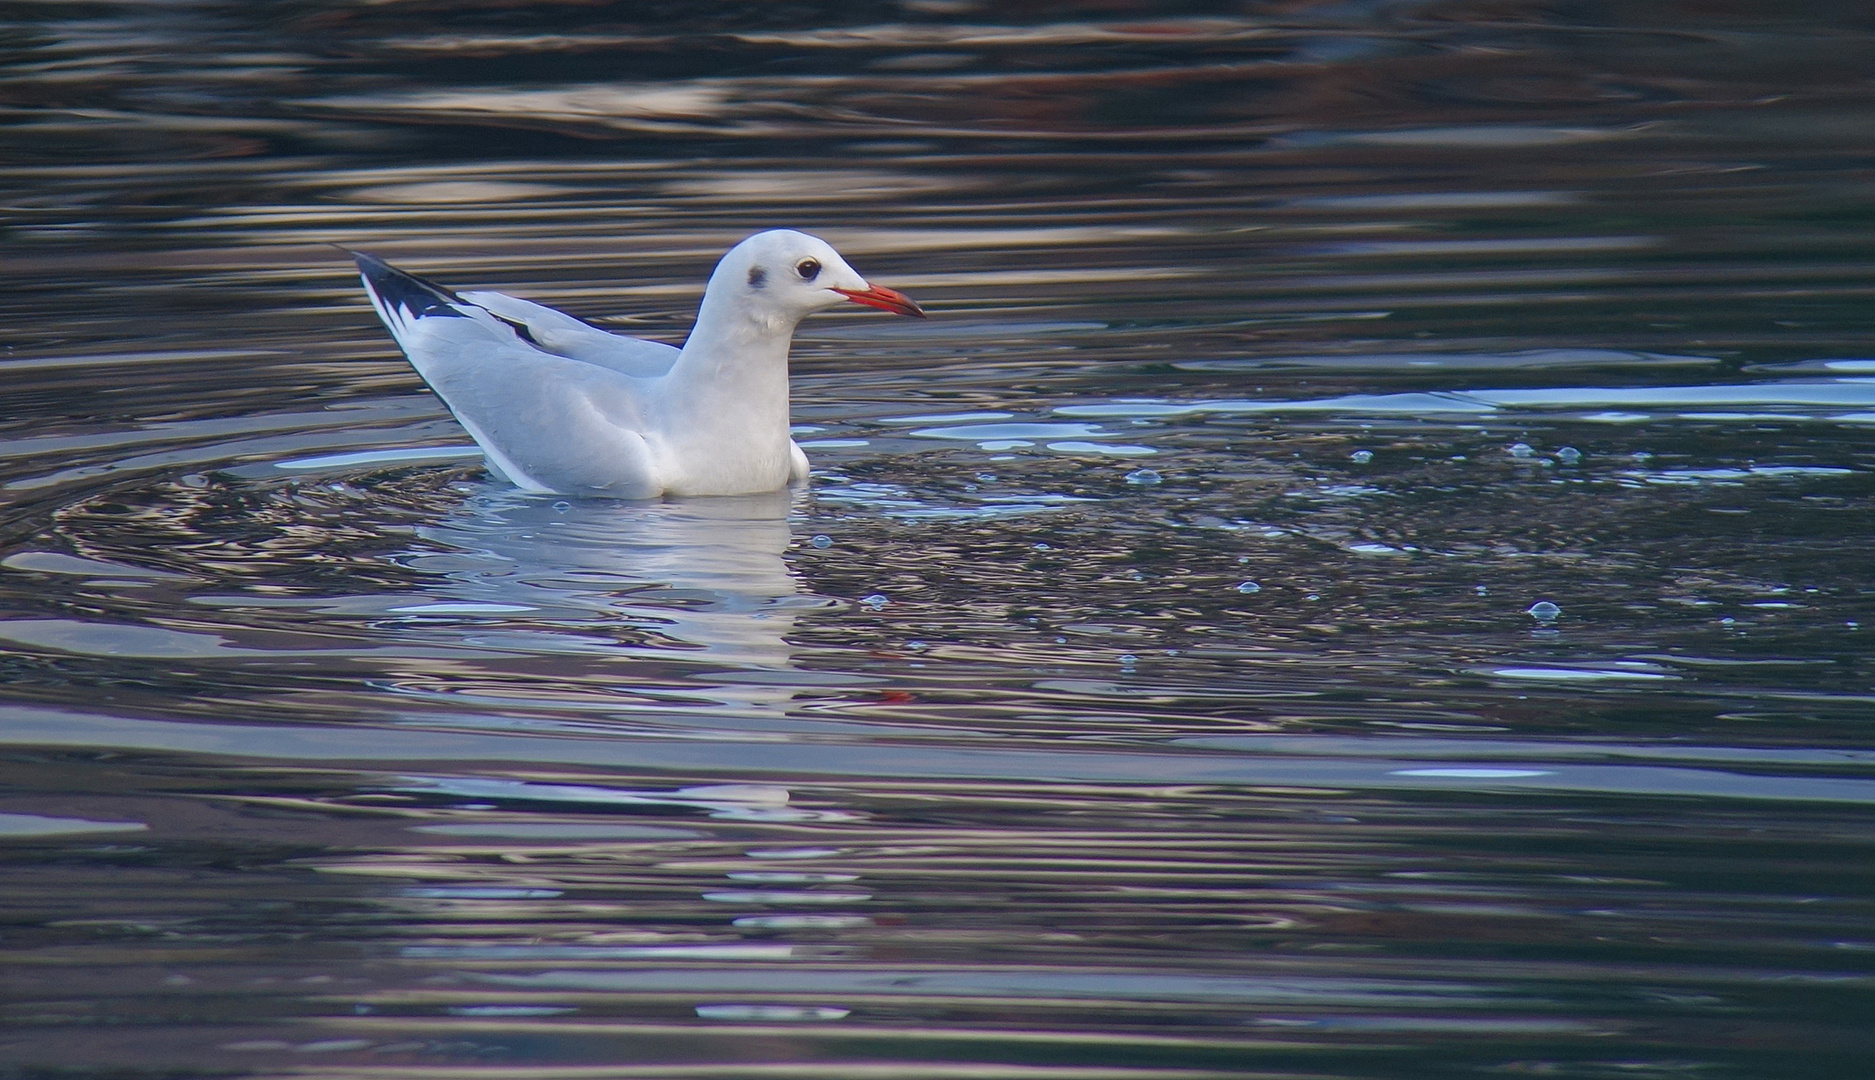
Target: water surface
[(1362, 574)]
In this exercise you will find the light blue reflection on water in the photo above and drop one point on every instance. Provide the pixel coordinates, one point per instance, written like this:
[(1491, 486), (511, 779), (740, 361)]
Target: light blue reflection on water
[(1836, 394)]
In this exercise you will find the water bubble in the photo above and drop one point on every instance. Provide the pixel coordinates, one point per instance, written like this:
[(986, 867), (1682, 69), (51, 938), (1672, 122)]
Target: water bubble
[(1249, 587), (875, 601), (1143, 477), (1312, 596), (1728, 621), (985, 477), (1544, 611), (1481, 590), (1641, 455), (1361, 457), (1043, 547), (562, 506), (1128, 659), (1061, 641), (1521, 450), (916, 646), (970, 487), (1568, 455), (821, 540)]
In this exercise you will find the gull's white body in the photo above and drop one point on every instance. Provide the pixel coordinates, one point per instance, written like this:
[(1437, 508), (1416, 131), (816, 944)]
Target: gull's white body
[(558, 405)]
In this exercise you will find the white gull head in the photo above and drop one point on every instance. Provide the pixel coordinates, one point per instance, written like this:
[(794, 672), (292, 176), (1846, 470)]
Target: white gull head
[(779, 277)]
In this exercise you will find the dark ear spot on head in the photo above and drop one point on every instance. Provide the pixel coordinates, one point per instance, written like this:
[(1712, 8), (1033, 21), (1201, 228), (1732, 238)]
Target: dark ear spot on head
[(757, 277)]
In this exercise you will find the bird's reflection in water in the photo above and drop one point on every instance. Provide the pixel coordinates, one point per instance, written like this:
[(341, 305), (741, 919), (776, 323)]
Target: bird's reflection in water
[(693, 596)]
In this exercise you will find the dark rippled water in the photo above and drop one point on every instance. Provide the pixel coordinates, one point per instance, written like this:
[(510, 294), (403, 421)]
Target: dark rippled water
[(1155, 682)]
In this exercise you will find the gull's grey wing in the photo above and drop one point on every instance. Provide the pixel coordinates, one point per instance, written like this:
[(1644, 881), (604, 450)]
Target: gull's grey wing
[(547, 422), (563, 335)]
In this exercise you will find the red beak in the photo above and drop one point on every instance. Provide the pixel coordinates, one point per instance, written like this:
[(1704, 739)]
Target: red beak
[(884, 299)]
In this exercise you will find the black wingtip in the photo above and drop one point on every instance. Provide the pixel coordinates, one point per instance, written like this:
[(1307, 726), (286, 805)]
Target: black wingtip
[(399, 289)]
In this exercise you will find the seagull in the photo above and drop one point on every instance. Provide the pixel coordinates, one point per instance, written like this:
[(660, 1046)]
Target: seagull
[(559, 405)]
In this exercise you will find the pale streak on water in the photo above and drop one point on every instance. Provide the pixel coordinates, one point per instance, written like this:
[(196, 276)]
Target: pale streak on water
[(1154, 683)]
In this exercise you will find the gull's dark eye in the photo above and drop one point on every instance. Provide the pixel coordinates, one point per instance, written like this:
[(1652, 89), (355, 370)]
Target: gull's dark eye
[(809, 269)]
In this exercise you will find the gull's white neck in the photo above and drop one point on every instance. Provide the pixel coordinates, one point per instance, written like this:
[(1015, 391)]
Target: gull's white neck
[(724, 404)]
